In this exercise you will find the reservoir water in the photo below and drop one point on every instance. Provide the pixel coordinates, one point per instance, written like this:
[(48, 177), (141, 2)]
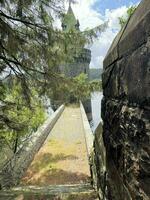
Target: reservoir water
[(96, 98)]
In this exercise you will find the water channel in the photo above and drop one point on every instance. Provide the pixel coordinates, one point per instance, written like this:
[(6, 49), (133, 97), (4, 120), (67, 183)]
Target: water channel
[(96, 98)]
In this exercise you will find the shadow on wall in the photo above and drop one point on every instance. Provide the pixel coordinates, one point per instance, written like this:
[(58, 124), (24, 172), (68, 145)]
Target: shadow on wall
[(55, 176), (47, 159), (44, 171)]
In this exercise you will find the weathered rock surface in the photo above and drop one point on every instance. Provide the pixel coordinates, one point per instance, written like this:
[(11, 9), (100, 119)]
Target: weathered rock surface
[(126, 110), (98, 163)]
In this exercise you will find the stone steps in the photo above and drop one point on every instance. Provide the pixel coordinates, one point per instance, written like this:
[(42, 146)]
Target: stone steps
[(58, 192)]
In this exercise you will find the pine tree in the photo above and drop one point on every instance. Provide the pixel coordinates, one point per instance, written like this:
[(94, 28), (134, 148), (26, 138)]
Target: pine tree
[(31, 49)]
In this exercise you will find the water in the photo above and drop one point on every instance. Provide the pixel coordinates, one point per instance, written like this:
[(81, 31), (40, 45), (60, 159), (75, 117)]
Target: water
[(96, 98)]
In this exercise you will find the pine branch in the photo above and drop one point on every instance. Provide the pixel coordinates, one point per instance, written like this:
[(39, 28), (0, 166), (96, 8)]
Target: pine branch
[(23, 21)]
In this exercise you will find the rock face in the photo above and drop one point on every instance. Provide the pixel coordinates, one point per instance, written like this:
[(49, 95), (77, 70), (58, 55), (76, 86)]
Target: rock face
[(126, 110), (98, 163)]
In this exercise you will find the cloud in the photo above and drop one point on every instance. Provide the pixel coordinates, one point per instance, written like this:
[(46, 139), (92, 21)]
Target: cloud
[(100, 47), (89, 17)]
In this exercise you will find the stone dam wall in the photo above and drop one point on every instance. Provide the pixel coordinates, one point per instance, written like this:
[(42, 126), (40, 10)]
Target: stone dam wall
[(126, 114), (15, 168)]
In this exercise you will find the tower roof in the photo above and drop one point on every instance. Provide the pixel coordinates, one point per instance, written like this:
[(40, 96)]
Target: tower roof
[(69, 22)]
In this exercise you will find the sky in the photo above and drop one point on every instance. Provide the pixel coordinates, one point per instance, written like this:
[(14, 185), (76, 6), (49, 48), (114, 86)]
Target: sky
[(92, 13)]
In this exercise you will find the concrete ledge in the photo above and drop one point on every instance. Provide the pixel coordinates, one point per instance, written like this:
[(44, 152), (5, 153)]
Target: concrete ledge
[(15, 168), (89, 138)]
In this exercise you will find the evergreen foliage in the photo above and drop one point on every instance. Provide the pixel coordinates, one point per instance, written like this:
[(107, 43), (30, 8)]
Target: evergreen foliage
[(31, 50), (96, 73), (19, 120), (123, 20), (78, 88)]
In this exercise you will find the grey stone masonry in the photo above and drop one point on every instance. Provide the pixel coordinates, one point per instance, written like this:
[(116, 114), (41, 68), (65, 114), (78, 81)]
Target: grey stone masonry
[(126, 110), (80, 64)]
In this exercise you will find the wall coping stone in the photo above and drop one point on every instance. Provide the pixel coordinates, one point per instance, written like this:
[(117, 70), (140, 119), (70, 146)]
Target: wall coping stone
[(89, 137), (16, 167)]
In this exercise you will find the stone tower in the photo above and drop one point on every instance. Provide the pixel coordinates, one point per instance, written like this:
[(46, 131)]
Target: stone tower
[(81, 63), (69, 22)]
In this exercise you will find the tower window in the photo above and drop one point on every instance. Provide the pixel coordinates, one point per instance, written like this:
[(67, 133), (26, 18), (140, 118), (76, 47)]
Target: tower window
[(64, 26)]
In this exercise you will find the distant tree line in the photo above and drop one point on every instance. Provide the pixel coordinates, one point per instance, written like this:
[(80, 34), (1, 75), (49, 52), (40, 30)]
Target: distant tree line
[(96, 73)]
